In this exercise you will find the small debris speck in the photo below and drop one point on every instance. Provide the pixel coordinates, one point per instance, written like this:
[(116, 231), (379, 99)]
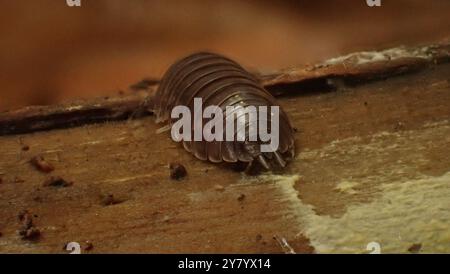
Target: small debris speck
[(28, 230), (89, 246), (57, 182), (32, 233), (110, 200), (41, 164), (219, 187), (241, 198), (177, 171), (415, 248)]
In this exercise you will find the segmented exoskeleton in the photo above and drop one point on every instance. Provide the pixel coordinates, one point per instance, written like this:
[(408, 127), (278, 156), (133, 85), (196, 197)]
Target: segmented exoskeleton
[(222, 82)]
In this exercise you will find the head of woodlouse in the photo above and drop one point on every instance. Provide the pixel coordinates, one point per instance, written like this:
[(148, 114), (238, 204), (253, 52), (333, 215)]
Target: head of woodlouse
[(267, 160)]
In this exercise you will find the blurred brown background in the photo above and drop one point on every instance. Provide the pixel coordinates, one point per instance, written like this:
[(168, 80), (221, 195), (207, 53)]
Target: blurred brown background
[(50, 52)]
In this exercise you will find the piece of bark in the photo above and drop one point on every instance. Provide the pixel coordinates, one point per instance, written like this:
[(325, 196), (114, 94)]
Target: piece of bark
[(363, 66), (36, 118)]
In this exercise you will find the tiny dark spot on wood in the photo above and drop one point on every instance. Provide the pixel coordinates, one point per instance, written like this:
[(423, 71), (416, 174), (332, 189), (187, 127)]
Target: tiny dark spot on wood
[(109, 200), (57, 182), (415, 248), (177, 171), (22, 214), (241, 198), (31, 234), (399, 126), (89, 246)]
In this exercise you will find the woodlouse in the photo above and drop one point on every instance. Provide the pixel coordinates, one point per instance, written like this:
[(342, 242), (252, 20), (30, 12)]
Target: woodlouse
[(222, 82)]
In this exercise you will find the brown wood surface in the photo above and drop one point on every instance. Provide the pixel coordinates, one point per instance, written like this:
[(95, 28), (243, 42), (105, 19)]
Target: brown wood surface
[(216, 209)]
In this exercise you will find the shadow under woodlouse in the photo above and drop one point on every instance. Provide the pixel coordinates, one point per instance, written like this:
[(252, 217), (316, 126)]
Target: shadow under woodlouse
[(221, 82)]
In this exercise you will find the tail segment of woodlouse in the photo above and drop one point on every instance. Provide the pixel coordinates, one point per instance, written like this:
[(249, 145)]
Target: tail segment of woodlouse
[(221, 82)]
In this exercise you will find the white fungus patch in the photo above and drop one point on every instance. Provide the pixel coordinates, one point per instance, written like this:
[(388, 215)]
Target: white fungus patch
[(406, 205), (416, 211)]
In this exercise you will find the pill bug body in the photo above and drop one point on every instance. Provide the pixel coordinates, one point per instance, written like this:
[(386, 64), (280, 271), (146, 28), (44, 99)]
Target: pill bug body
[(221, 82)]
